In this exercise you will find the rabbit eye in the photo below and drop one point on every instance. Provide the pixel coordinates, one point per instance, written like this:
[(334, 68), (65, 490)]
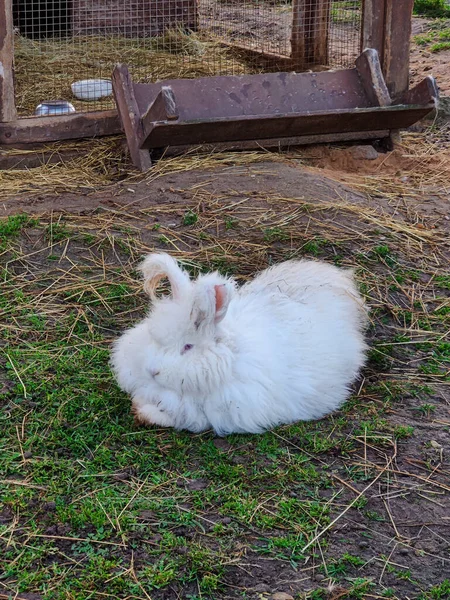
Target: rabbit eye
[(186, 348)]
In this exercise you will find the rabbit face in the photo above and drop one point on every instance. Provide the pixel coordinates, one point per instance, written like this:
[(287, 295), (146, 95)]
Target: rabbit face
[(187, 352)]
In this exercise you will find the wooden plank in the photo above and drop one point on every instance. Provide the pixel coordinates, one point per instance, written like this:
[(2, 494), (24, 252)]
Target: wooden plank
[(133, 19), (282, 142), (265, 94), (369, 69), (397, 38), (65, 127), (130, 116), (321, 32), (7, 101), (310, 32), (422, 93), (257, 127), (372, 29)]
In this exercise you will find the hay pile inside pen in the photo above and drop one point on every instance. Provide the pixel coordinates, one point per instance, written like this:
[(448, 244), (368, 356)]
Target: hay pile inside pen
[(45, 69)]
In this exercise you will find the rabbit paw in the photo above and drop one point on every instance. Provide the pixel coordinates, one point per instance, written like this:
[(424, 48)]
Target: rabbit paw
[(149, 414)]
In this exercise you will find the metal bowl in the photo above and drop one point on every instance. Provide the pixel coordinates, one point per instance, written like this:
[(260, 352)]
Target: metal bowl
[(51, 108)]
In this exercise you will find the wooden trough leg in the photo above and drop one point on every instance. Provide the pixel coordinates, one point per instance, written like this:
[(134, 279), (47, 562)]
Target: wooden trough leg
[(129, 115)]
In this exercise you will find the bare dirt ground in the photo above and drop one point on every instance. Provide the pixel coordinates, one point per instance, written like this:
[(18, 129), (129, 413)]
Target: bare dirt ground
[(424, 62)]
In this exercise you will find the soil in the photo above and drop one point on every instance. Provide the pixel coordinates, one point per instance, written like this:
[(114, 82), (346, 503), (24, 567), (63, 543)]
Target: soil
[(324, 166), (267, 26), (423, 62)]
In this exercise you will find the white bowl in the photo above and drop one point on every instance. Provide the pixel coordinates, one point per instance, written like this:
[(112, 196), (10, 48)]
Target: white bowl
[(92, 89)]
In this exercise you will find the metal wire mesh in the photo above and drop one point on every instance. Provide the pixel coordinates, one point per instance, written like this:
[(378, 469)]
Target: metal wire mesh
[(345, 32), (61, 42)]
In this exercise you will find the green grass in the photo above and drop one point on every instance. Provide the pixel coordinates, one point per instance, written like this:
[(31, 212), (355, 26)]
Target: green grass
[(275, 234), (432, 8), (437, 38), (12, 226), (437, 592), (190, 218), (92, 504)]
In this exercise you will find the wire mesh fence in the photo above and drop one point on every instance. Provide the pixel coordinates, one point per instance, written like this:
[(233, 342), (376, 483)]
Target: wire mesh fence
[(61, 42)]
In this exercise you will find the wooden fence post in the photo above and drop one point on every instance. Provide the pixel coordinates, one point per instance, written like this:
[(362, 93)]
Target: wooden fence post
[(372, 29), (397, 40), (310, 32), (386, 27), (7, 102)]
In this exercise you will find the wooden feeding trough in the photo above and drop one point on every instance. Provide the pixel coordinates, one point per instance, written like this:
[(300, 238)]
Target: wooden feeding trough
[(271, 109), (309, 107)]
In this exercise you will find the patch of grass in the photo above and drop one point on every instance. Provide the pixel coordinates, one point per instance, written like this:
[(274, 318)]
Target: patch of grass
[(439, 46), (426, 409), (313, 246), (230, 223), (437, 592), (190, 218), (164, 240), (344, 13), (437, 38), (56, 232), (402, 432), (339, 567), (13, 225), (275, 234), (431, 8)]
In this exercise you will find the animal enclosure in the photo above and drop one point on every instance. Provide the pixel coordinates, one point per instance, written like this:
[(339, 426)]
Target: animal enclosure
[(54, 43), (68, 40)]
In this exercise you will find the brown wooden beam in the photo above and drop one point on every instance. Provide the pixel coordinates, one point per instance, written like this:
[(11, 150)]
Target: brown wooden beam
[(7, 102), (279, 143), (397, 40), (130, 116), (372, 30), (65, 127), (310, 32), (386, 27)]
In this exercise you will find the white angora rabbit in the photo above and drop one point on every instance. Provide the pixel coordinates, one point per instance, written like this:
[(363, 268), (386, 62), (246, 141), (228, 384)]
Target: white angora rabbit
[(284, 347)]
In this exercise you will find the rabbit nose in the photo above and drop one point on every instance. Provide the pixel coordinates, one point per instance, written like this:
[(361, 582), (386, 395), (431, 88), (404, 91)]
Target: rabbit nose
[(154, 372)]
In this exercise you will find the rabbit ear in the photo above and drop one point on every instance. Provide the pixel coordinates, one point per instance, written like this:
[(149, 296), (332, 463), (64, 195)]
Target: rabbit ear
[(211, 299), (223, 297), (158, 266)]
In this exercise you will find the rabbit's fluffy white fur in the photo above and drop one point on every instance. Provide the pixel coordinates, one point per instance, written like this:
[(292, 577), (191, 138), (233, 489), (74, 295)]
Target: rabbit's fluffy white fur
[(284, 347)]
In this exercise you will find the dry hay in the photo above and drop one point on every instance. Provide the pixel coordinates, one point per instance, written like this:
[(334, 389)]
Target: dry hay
[(398, 260), (45, 69), (102, 163), (423, 167)]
